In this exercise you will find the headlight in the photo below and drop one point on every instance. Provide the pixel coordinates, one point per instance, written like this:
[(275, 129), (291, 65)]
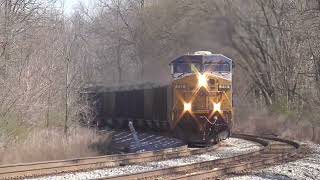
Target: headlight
[(187, 106), (217, 107), (202, 80)]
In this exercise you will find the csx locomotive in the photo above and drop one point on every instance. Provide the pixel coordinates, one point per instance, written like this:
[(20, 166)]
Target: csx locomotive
[(196, 106)]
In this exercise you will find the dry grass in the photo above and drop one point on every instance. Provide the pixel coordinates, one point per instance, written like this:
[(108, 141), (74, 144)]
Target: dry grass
[(263, 123), (52, 144)]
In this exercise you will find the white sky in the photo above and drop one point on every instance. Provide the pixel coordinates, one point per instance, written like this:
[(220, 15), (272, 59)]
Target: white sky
[(70, 4)]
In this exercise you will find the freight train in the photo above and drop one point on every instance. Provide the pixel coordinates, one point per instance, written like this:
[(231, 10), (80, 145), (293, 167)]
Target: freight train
[(196, 106)]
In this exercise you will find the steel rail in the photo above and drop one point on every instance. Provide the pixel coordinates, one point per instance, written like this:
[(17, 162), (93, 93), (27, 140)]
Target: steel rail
[(269, 154), (274, 154), (89, 163)]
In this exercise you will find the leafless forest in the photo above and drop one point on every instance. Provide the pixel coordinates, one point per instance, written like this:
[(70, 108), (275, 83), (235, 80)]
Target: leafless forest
[(47, 57)]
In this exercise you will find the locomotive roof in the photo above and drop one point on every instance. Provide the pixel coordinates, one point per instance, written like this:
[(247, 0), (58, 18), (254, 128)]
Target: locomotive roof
[(193, 58)]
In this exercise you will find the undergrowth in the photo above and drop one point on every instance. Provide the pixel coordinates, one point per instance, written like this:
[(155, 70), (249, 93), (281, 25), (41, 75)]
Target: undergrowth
[(52, 144)]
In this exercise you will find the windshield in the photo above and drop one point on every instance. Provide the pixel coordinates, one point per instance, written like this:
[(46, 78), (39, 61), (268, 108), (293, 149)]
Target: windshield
[(217, 67), (186, 67)]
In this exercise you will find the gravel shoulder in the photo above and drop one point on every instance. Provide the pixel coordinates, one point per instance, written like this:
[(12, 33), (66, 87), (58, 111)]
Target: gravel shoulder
[(228, 148), (307, 168)]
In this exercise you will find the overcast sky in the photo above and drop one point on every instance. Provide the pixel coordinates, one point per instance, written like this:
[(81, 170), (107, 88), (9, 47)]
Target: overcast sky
[(69, 5)]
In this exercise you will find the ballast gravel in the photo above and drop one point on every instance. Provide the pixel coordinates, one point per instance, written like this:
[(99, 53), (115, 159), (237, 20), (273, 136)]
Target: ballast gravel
[(148, 142), (228, 148), (307, 168)]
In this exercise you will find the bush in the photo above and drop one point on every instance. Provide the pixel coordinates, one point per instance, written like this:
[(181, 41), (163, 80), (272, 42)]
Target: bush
[(52, 144), (285, 124)]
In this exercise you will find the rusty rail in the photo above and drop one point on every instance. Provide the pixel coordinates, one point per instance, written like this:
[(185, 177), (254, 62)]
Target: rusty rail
[(270, 154), (83, 164)]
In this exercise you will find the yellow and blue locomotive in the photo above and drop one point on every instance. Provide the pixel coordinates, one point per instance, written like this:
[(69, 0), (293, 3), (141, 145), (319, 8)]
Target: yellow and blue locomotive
[(202, 97)]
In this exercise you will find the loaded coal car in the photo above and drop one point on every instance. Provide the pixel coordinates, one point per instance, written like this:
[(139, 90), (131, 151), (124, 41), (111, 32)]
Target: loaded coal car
[(146, 105), (196, 106)]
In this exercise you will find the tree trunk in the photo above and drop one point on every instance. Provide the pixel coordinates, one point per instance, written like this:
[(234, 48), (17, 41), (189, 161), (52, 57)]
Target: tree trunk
[(267, 97), (313, 134), (66, 99), (48, 109), (119, 63)]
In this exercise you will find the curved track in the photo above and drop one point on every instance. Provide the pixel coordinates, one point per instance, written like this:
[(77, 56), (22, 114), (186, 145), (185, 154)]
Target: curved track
[(274, 150), (83, 164)]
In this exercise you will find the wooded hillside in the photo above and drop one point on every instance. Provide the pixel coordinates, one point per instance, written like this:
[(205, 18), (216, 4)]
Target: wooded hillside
[(47, 57)]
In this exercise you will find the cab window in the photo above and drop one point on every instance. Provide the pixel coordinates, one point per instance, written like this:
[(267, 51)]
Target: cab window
[(217, 67), (186, 67)]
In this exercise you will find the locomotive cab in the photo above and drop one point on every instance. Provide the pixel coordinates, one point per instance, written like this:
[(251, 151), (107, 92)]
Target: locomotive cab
[(202, 97), (189, 64)]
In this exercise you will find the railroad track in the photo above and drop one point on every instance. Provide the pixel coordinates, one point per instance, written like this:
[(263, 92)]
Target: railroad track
[(270, 154), (83, 164), (275, 151)]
